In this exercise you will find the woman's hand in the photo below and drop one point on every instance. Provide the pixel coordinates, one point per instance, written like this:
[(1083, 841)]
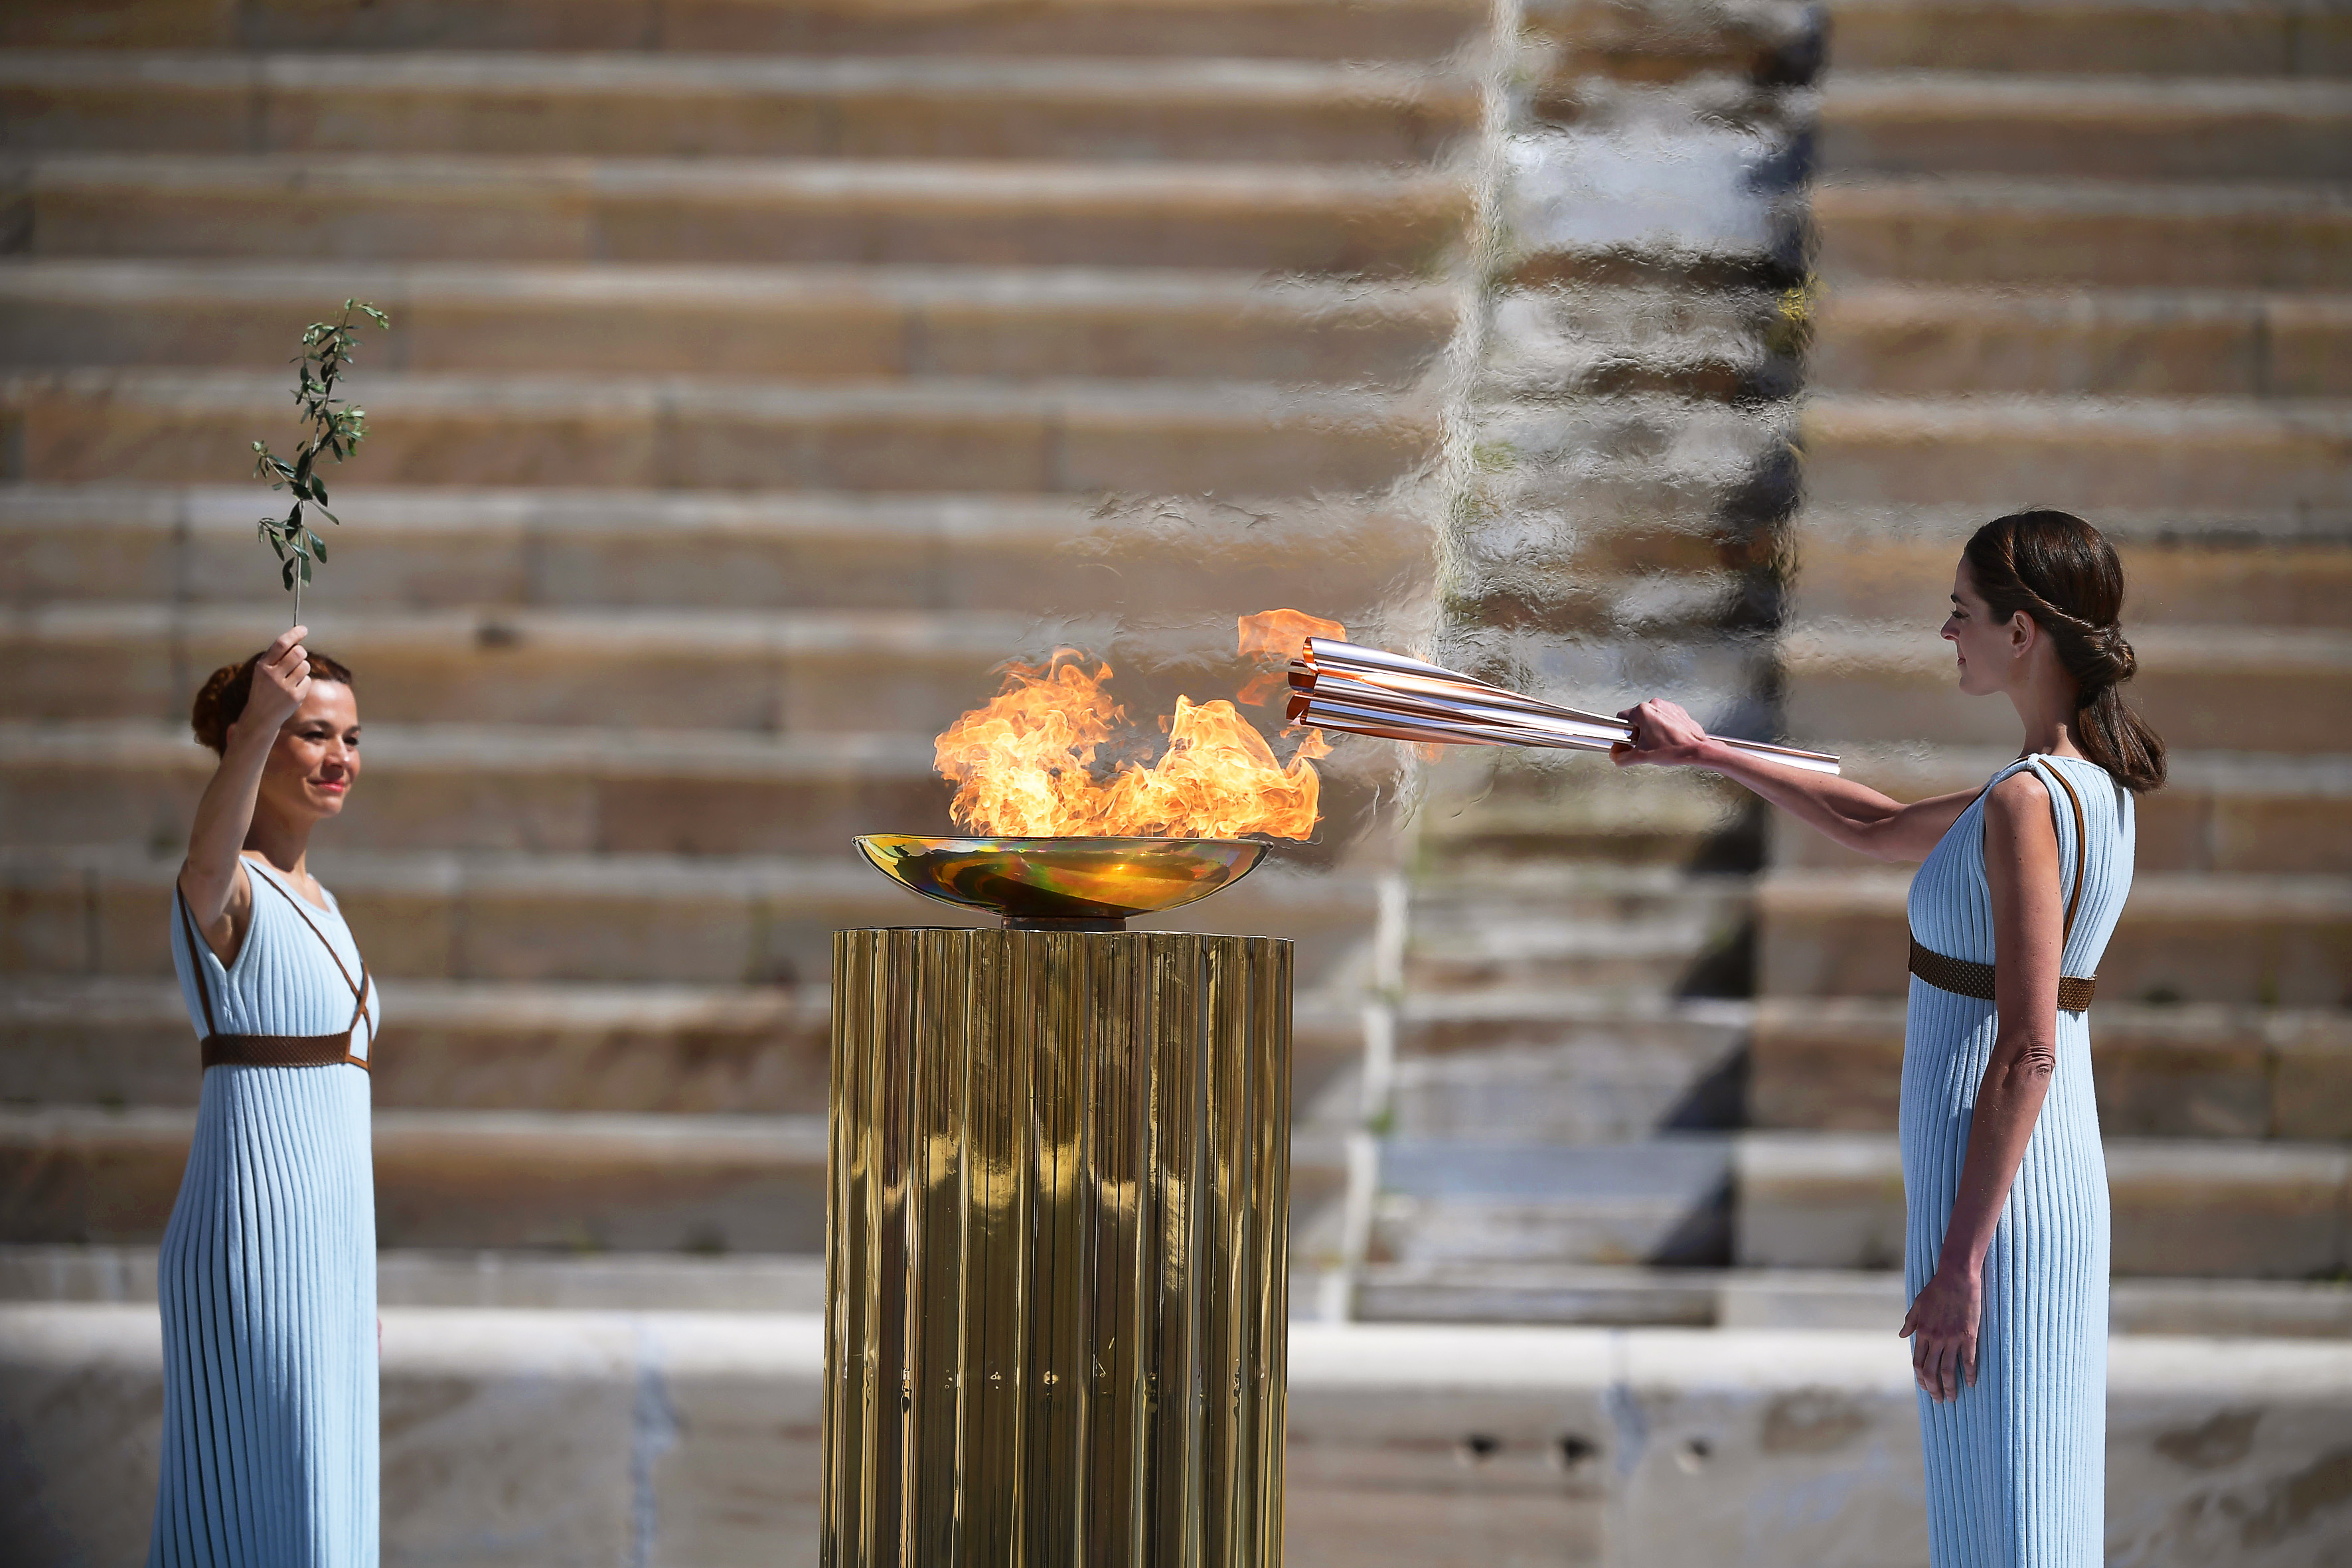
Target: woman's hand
[(1662, 733), (281, 679), (1942, 1329)]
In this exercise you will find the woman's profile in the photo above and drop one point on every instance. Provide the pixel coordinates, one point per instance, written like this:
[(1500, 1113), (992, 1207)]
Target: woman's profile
[(268, 1275), (2020, 886)]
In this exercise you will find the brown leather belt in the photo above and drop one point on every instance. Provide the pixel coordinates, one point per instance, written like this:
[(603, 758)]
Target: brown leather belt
[(279, 1051), (1963, 978)]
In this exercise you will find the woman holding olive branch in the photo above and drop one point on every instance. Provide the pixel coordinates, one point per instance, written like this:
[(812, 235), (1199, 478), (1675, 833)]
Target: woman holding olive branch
[(266, 1281), (2020, 886)]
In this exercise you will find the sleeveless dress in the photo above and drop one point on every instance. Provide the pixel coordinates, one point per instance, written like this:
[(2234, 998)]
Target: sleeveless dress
[(268, 1274), (2017, 1464)]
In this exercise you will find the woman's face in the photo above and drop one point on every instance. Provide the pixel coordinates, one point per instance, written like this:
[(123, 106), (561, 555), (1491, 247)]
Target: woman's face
[(317, 757), (1989, 650)]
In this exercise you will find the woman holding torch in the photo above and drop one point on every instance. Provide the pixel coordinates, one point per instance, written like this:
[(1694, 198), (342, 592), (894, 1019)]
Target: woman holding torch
[(2020, 885), (268, 1275)]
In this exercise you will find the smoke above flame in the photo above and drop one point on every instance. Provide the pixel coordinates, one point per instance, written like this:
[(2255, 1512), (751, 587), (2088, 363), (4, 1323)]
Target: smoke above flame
[(1025, 765)]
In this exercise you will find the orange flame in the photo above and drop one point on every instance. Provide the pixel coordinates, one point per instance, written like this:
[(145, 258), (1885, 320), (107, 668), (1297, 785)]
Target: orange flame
[(1275, 638), (1024, 765)]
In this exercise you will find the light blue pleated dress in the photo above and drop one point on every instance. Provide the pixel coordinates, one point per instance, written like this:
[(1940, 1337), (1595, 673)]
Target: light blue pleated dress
[(2017, 1464), (268, 1276)]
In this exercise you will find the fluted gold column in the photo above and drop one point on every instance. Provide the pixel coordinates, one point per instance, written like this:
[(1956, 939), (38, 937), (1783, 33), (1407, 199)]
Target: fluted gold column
[(1056, 1268)]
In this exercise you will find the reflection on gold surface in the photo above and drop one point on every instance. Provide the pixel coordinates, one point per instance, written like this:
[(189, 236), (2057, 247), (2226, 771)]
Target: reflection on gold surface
[(1045, 879), (1057, 1236)]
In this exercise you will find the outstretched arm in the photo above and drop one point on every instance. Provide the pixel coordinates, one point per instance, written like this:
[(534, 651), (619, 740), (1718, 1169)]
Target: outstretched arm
[(2029, 933), (213, 878), (1853, 815)]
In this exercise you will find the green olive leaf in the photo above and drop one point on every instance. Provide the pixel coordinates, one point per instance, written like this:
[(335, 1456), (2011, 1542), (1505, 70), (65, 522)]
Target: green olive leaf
[(336, 430)]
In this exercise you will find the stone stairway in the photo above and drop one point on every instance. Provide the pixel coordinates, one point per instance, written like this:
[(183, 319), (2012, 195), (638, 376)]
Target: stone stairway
[(2073, 256), (764, 375), (2116, 279)]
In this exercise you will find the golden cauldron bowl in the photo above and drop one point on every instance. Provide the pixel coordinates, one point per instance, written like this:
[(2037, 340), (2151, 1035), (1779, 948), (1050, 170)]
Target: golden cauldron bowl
[(1062, 884)]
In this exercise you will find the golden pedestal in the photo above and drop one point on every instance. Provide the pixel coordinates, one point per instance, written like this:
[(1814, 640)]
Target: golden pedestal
[(1056, 1257)]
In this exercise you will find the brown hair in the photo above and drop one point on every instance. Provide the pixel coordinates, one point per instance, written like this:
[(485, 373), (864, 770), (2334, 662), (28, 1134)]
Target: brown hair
[(223, 697), (2062, 571)]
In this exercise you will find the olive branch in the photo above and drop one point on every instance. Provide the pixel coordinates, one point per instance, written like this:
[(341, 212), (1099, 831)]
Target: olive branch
[(337, 429)]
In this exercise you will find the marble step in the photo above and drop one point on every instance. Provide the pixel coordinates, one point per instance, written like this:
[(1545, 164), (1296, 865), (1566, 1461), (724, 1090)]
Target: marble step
[(2245, 941), (1929, 340), (530, 1281), (933, 436), (654, 105), (800, 323), (447, 1180), (2092, 455), (1066, 557), (1459, 1202), (790, 672), (476, 790), (1280, 30), (2184, 1070), (1769, 1299), (1583, 1294), (607, 919), (2203, 687), (1784, 1300), (2220, 1308), (1567, 43), (1619, 932), (2300, 39), (1992, 230), (2111, 126), (718, 211), (1561, 1066), (1727, 344), (1522, 808), (2199, 1208), (1409, 1445), (2226, 812), (2183, 567), (586, 1046), (2202, 1207)]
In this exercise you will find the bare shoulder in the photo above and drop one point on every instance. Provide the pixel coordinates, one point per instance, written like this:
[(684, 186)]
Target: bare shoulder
[(221, 907), (2019, 805)]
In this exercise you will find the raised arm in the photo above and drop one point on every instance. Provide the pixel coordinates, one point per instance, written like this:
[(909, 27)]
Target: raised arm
[(213, 877), (2022, 871), (1853, 815)]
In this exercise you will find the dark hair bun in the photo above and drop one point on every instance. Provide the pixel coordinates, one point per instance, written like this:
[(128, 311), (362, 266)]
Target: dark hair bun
[(2110, 655), (222, 701), (2060, 570)]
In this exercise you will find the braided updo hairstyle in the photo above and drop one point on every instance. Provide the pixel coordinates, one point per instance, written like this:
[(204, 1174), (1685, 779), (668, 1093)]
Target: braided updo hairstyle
[(2059, 570), (223, 697)]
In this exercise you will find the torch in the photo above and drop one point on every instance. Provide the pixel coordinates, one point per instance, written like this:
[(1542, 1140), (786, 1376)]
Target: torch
[(1336, 685)]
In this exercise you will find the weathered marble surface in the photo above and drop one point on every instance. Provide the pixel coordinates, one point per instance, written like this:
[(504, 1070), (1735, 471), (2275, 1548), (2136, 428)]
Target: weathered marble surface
[(689, 1440)]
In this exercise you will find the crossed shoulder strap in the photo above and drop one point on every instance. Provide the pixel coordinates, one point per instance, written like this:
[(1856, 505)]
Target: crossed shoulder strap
[(361, 988)]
